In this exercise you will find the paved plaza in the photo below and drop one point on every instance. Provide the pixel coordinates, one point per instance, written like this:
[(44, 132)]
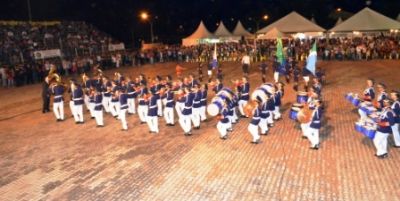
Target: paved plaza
[(41, 159)]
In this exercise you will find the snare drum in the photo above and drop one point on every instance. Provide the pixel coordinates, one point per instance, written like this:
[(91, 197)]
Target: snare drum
[(293, 113), (356, 102), (302, 97), (369, 132), (349, 97), (359, 127)]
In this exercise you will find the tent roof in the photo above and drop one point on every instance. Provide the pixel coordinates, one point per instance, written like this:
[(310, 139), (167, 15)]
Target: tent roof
[(367, 20), (240, 30), (313, 20), (222, 31), (201, 32), (339, 21), (274, 33), (293, 23), (398, 17)]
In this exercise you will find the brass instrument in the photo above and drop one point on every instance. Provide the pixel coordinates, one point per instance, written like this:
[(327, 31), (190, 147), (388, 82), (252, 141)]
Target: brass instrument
[(305, 114), (249, 108)]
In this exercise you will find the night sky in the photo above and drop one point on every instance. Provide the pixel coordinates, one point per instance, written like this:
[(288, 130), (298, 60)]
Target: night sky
[(174, 19)]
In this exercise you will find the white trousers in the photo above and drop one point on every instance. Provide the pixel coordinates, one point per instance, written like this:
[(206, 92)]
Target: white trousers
[(91, 108), (131, 106), (169, 115), (396, 134), (122, 117), (58, 109), (106, 103), (203, 115), (313, 136), (114, 108), (195, 117), (159, 108), (98, 115), (253, 129), (78, 113), (222, 127), (179, 107), (71, 107), (270, 119), (277, 112), (380, 142), (185, 123), (152, 122), (142, 112), (235, 117), (86, 101), (263, 125), (276, 77), (241, 104), (304, 129)]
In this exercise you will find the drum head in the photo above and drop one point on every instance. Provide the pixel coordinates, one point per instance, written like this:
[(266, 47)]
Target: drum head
[(212, 110)]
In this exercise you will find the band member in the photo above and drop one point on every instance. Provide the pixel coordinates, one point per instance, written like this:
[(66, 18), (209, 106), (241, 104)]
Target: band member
[(77, 98), (315, 125), (196, 107), (142, 80), (218, 86), (396, 110), (131, 92), (244, 96), (98, 108), (254, 123), (192, 81), (157, 88), (123, 104), (277, 100), (223, 122), (46, 96), (185, 119), (245, 64), (114, 104), (264, 114), (87, 83), (200, 71), (296, 76), (92, 92), (106, 89), (58, 101), (369, 92), (271, 108), (152, 117), (276, 67), (169, 104), (203, 115), (382, 94), (143, 102), (385, 121), (317, 86), (306, 76), (180, 104), (210, 71), (263, 69)]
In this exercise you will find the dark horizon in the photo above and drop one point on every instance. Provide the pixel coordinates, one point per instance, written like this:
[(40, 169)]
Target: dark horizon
[(177, 19)]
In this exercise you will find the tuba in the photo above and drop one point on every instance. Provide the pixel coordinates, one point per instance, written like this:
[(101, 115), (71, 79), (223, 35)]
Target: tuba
[(305, 114)]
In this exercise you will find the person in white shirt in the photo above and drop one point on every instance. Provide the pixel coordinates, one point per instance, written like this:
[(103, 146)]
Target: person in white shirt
[(245, 64)]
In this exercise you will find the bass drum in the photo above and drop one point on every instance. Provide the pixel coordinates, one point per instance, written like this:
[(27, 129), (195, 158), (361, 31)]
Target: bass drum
[(304, 115)]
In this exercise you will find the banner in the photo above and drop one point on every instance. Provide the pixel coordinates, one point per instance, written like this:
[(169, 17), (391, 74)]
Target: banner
[(44, 54), (115, 47)]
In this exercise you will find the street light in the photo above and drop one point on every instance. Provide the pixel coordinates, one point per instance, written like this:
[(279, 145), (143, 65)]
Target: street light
[(265, 17), (146, 17), (258, 21)]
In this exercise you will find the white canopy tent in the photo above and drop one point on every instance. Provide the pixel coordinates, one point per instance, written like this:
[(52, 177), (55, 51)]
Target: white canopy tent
[(201, 35), (339, 21), (272, 34), (240, 31), (313, 20), (366, 20), (222, 31), (293, 23), (398, 17)]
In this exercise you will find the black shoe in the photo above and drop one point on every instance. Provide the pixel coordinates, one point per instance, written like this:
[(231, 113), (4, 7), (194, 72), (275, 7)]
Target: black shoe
[(255, 142), (316, 147), (266, 133), (124, 129), (396, 146), (304, 137), (171, 124), (382, 156), (100, 126), (205, 120), (92, 117), (270, 125), (58, 120), (142, 122), (223, 138), (77, 122), (197, 127)]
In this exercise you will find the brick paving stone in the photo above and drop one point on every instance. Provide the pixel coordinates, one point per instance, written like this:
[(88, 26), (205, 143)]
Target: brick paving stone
[(45, 160)]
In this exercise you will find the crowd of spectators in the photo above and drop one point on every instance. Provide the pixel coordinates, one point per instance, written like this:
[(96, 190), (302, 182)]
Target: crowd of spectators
[(84, 48)]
